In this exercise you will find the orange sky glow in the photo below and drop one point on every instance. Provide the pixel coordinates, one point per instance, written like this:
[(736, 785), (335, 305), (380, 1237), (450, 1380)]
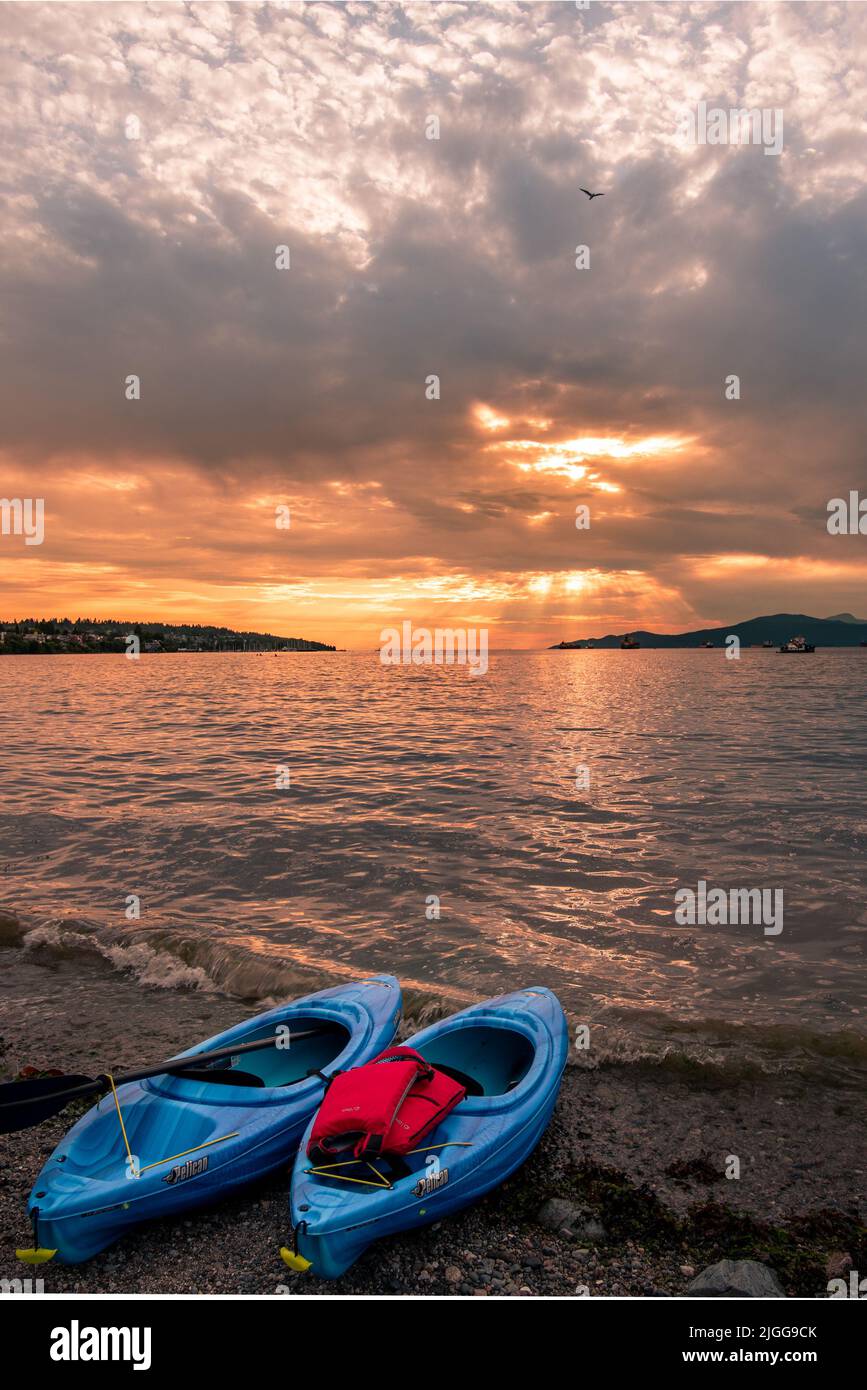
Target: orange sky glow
[(305, 387)]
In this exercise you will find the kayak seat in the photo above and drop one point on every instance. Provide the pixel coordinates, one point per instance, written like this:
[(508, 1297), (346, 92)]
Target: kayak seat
[(285, 1066), (228, 1076), (487, 1061), (469, 1083)]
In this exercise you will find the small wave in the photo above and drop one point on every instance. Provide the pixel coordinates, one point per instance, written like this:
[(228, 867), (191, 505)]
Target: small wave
[(159, 958), (708, 1051), (152, 968), (776, 1039), (715, 1051), (157, 969)]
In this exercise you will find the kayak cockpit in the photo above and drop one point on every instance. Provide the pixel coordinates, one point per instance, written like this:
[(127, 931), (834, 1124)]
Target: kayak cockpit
[(280, 1065), (486, 1061)]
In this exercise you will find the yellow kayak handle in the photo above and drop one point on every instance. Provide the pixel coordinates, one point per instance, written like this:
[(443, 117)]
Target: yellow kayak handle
[(296, 1262)]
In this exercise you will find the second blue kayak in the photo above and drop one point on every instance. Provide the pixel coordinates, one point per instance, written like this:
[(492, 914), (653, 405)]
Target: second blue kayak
[(172, 1142), (509, 1053)]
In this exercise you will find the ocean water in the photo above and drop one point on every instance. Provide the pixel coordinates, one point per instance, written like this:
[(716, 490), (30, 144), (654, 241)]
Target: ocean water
[(433, 826)]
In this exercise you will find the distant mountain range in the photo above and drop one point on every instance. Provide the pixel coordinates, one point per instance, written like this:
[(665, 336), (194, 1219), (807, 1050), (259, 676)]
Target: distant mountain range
[(840, 631)]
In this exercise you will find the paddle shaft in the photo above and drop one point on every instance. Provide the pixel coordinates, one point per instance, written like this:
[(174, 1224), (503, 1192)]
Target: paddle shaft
[(169, 1068)]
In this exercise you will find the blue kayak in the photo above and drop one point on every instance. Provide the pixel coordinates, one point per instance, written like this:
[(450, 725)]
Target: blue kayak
[(192, 1140), (509, 1053)]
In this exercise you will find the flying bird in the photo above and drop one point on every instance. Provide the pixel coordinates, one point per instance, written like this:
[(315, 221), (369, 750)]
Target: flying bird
[(590, 195)]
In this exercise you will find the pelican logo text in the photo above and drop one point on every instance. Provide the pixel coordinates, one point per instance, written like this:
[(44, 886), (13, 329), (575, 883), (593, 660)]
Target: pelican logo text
[(425, 1186), (191, 1169)]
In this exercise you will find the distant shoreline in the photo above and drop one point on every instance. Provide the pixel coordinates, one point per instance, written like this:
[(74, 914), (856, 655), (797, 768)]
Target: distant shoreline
[(696, 647), (772, 630), (90, 636), (179, 651)]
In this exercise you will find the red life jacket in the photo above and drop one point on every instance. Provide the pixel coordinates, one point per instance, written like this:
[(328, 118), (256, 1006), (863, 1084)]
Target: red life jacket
[(386, 1106)]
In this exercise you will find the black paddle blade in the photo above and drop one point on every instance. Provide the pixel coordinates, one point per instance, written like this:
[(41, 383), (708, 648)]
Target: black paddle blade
[(26, 1103)]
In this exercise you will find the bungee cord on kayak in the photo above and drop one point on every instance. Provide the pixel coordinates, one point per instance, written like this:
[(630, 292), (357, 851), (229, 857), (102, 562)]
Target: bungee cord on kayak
[(135, 1168), (328, 1170)]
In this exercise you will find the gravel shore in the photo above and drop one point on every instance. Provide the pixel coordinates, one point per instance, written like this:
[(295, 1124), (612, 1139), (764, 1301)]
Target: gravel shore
[(639, 1154)]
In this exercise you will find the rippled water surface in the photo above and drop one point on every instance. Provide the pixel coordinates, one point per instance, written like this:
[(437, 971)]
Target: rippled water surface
[(157, 778)]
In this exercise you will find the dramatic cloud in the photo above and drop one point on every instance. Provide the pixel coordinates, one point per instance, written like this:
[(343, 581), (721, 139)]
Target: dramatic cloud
[(256, 127)]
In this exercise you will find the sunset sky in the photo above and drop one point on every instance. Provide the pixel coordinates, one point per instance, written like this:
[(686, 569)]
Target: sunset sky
[(305, 125)]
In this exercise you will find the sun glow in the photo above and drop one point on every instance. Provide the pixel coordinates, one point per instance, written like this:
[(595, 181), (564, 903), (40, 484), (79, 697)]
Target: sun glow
[(540, 584), (572, 459), (791, 568), (607, 446), (575, 583), (489, 419)]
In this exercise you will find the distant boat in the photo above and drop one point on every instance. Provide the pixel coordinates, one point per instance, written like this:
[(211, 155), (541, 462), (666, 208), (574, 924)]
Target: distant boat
[(705, 644), (629, 643), (768, 644), (797, 644)]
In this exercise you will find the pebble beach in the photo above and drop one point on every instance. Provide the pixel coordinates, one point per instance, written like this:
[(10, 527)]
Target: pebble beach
[(626, 1195)]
